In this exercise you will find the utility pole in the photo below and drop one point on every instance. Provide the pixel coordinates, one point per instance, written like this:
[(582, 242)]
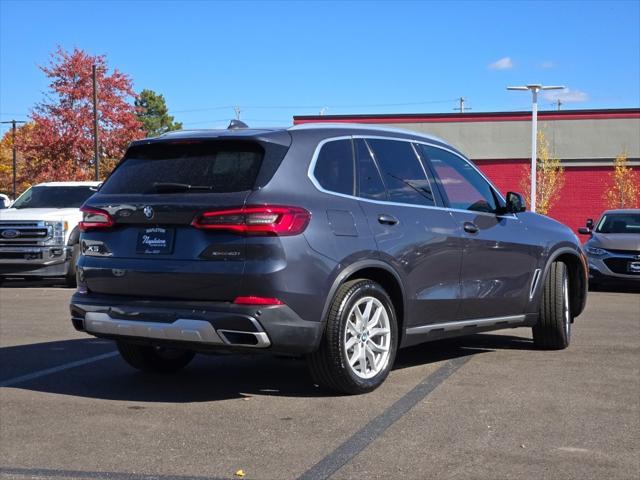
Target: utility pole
[(238, 111), (462, 108), (15, 152), (559, 102), (96, 156), (534, 88)]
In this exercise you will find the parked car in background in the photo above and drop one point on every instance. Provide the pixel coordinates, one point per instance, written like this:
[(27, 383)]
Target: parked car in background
[(614, 248), (39, 232), (342, 243), (5, 201)]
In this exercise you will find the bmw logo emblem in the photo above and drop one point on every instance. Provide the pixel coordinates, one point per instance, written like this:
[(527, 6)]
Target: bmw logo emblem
[(148, 212)]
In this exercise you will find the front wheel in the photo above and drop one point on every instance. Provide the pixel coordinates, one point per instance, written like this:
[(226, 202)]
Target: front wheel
[(70, 279), (153, 358), (553, 330), (359, 345)]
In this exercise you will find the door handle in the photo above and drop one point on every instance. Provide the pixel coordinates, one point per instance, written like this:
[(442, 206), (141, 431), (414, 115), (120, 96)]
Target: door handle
[(470, 227), (387, 219)]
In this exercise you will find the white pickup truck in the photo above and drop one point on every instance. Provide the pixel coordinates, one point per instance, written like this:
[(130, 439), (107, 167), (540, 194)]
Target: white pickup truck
[(39, 232)]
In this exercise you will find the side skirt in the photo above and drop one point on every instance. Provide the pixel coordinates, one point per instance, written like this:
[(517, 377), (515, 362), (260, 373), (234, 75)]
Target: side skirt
[(437, 331)]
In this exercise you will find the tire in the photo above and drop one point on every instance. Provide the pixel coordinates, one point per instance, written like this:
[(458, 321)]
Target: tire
[(154, 359), (340, 364), (553, 330), (70, 279)]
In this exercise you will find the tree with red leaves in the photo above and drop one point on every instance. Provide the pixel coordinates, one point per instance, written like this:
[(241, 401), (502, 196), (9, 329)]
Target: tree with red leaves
[(60, 143)]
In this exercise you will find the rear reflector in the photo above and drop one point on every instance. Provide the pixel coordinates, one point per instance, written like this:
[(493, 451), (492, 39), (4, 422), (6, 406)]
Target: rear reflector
[(94, 219), (256, 220), (257, 301)]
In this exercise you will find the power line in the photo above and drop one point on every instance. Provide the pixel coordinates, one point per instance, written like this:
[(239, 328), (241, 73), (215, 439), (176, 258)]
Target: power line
[(288, 107)]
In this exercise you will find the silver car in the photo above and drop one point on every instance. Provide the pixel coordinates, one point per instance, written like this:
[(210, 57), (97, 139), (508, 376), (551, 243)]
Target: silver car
[(614, 248)]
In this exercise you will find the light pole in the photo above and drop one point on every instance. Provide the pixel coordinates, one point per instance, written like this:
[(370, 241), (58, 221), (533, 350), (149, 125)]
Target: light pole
[(96, 141), (535, 88)]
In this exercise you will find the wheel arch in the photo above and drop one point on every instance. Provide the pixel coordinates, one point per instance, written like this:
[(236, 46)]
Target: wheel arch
[(381, 273), (74, 236), (576, 268)]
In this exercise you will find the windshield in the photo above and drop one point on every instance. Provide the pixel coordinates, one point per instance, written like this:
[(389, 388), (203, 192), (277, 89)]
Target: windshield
[(619, 223), (190, 166), (54, 197)]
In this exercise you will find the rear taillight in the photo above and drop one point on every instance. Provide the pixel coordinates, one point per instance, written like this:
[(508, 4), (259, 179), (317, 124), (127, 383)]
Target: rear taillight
[(256, 220), (94, 219), (251, 300)]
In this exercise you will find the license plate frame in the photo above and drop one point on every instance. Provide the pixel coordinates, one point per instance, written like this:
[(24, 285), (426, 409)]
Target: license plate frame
[(155, 240)]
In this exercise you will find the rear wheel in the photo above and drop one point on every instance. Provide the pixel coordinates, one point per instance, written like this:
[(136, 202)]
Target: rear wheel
[(359, 345), (553, 330), (154, 359)]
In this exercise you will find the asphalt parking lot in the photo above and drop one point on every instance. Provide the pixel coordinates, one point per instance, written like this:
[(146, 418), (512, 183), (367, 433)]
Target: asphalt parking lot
[(484, 407)]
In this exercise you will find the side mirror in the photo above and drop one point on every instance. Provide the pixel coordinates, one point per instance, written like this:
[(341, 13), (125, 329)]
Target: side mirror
[(584, 231), (590, 223), (515, 203)]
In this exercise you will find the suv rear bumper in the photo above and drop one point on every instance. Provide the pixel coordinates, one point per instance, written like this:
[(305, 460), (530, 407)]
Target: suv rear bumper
[(195, 325)]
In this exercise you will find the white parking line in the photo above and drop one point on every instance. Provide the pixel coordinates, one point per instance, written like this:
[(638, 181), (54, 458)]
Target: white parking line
[(60, 368)]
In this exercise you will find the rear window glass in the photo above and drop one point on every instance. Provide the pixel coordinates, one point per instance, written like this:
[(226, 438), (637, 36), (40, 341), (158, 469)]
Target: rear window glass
[(221, 166), (334, 167)]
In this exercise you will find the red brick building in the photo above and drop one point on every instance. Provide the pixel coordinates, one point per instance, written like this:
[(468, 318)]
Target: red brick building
[(586, 142)]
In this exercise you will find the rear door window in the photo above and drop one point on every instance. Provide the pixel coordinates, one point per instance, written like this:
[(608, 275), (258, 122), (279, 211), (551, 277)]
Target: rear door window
[(206, 166), (370, 183), (402, 172), (334, 167)]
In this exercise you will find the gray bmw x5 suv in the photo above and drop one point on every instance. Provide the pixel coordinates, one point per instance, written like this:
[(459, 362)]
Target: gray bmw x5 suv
[(342, 243)]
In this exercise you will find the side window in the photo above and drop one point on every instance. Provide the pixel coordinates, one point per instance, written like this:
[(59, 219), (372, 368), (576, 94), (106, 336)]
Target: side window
[(464, 187), (369, 182), (402, 173), (334, 167)]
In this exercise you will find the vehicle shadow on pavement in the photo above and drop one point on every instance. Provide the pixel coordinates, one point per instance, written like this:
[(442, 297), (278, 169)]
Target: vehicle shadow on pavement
[(208, 377), (32, 283)]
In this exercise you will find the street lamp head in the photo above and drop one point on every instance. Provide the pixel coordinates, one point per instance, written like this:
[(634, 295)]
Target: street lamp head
[(555, 87), (517, 88)]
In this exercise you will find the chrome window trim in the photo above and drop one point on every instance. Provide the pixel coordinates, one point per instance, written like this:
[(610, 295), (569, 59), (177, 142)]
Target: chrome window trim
[(316, 184)]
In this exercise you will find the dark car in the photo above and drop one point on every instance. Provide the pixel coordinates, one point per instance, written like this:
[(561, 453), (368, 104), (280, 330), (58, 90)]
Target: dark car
[(341, 243), (613, 248)]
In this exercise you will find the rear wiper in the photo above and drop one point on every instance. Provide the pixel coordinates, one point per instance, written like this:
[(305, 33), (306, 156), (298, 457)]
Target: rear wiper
[(177, 187)]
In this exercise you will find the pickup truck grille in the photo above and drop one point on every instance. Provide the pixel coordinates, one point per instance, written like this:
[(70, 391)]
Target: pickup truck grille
[(31, 233), (20, 255)]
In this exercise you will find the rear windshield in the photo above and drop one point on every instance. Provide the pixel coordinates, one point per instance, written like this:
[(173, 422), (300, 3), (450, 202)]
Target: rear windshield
[(205, 166), (54, 197), (619, 223)]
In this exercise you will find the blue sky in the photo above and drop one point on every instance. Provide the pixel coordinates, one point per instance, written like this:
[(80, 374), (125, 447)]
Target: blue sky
[(277, 59)]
